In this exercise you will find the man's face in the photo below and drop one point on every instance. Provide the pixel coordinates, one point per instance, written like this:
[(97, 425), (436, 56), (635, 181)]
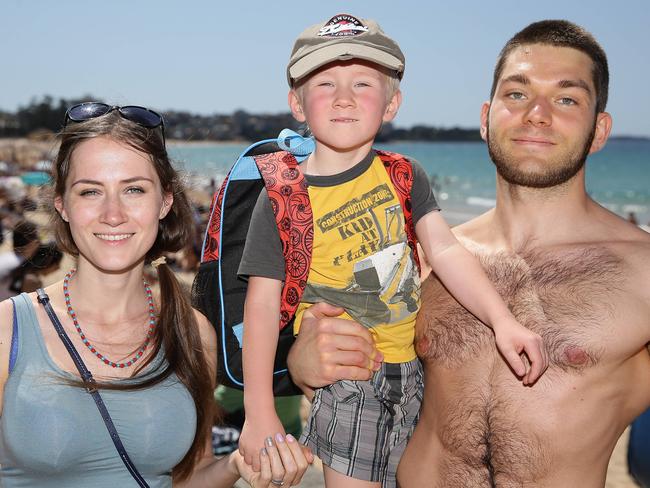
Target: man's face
[(541, 123)]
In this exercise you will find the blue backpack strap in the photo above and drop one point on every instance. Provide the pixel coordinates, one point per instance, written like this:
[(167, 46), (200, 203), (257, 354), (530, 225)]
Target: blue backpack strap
[(292, 142), (13, 353), (244, 168), (211, 248)]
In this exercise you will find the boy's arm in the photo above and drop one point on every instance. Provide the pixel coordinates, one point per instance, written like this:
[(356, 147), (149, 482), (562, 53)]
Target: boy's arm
[(464, 277), (261, 330)]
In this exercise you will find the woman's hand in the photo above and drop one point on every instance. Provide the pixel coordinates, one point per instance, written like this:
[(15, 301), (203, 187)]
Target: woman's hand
[(283, 463)]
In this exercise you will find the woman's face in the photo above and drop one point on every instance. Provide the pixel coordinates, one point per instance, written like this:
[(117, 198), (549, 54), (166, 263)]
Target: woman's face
[(113, 202)]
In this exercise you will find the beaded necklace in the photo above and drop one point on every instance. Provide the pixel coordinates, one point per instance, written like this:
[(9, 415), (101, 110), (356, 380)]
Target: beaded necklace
[(104, 359)]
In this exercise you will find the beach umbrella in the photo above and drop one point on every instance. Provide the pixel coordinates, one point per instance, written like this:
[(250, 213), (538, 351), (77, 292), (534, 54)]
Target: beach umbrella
[(35, 178)]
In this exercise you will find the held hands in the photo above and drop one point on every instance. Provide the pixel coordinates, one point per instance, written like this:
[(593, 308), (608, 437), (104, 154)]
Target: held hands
[(255, 436), (282, 463), (513, 340)]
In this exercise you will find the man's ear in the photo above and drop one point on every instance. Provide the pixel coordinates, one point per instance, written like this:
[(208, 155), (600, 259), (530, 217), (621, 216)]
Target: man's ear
[(296, 106), (58, 205), (601, 132), (485, 115), (168, 200), (393, 106)]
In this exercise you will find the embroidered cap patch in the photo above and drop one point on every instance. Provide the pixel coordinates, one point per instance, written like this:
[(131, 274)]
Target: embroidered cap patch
[(342, 25)]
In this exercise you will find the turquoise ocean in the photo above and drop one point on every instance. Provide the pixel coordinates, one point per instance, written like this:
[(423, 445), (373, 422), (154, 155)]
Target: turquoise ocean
[(618, 176)]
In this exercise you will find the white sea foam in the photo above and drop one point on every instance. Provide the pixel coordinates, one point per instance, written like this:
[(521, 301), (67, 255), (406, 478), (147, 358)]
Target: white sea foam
[(481, 202), (464, 173), (635, 208)]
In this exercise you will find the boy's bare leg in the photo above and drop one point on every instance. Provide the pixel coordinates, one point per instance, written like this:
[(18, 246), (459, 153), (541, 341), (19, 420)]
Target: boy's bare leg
[(334, 479)]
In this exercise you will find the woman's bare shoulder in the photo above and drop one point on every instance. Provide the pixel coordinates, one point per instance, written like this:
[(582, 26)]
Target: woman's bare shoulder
[(208, 334), (6, 333)]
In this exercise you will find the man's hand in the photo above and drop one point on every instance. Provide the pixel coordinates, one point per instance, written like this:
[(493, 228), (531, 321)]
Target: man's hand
[(329, 349)]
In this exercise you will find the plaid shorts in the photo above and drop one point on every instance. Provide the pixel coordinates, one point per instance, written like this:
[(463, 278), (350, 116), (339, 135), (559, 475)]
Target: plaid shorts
[(360, 428)]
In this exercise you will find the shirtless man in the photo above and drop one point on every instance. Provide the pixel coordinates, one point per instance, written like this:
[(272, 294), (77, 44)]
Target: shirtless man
[(568, 268)]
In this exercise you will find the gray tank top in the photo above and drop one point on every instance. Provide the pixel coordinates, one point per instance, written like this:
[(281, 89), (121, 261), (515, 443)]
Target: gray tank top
[(52, 435)]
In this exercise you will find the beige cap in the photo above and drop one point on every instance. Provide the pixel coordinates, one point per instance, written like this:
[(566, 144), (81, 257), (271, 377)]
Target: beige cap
[(342, 38)]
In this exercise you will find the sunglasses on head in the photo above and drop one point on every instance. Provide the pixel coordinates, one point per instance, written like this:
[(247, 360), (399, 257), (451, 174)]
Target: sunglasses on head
[(91, 110)]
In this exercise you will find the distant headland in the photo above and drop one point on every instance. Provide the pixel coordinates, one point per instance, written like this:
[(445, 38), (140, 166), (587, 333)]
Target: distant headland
[(41, 118)]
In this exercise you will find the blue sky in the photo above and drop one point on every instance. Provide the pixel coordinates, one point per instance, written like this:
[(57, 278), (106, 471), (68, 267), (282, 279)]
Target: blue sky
[(213, 56)]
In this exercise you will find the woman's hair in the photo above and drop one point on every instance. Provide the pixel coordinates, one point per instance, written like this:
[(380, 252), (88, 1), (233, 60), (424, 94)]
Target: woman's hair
[(177, 330)]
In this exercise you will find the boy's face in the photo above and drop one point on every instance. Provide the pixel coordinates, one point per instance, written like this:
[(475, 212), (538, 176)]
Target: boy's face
[(345, 103)]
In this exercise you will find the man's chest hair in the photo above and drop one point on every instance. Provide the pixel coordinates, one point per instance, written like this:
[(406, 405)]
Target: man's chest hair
[(566, 296)]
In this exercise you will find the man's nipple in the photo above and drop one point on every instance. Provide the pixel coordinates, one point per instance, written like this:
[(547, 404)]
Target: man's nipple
[(575, 355), (422, 345)]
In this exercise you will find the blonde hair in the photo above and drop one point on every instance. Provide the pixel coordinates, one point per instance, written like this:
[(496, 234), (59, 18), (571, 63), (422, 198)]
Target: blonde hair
[(392, 84)]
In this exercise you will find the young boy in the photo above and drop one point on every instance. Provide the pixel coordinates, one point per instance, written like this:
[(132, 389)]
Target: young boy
[(344, 77)]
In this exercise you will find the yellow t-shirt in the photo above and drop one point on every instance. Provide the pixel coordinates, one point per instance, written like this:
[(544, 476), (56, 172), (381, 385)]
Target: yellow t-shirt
[(361, 260)]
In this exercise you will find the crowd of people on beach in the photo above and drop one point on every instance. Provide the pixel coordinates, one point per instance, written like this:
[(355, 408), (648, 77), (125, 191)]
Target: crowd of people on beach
[(513, 350)]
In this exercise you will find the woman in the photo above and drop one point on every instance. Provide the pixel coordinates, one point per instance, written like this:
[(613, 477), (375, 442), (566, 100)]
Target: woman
[(117, 204)]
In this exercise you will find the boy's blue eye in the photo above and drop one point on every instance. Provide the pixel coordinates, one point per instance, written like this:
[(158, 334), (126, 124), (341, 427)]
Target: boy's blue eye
[(135, 189)]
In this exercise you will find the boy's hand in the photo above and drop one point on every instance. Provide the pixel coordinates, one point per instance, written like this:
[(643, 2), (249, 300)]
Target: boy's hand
[(255, 435), (512, 340)]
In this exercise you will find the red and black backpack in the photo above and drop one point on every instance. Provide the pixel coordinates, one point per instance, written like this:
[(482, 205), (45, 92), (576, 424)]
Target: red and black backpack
[(217, 290)]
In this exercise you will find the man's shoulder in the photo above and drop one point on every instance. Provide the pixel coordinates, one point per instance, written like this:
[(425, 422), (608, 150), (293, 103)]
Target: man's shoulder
[(624, 248), (476, 229), (634, 250), (625, 239)]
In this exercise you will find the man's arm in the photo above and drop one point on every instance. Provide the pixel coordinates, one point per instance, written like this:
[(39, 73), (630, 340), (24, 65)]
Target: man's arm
[(329, 349)]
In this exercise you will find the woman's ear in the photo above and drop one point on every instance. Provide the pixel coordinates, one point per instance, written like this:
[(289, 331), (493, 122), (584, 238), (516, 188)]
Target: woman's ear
[(168, 200), (58, 205)]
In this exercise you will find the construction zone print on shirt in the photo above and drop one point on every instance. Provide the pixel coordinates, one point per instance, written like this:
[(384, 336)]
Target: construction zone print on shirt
[(361, 260)]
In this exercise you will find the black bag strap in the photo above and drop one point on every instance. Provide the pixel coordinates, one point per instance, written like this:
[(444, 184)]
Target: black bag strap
[(91, 387)]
